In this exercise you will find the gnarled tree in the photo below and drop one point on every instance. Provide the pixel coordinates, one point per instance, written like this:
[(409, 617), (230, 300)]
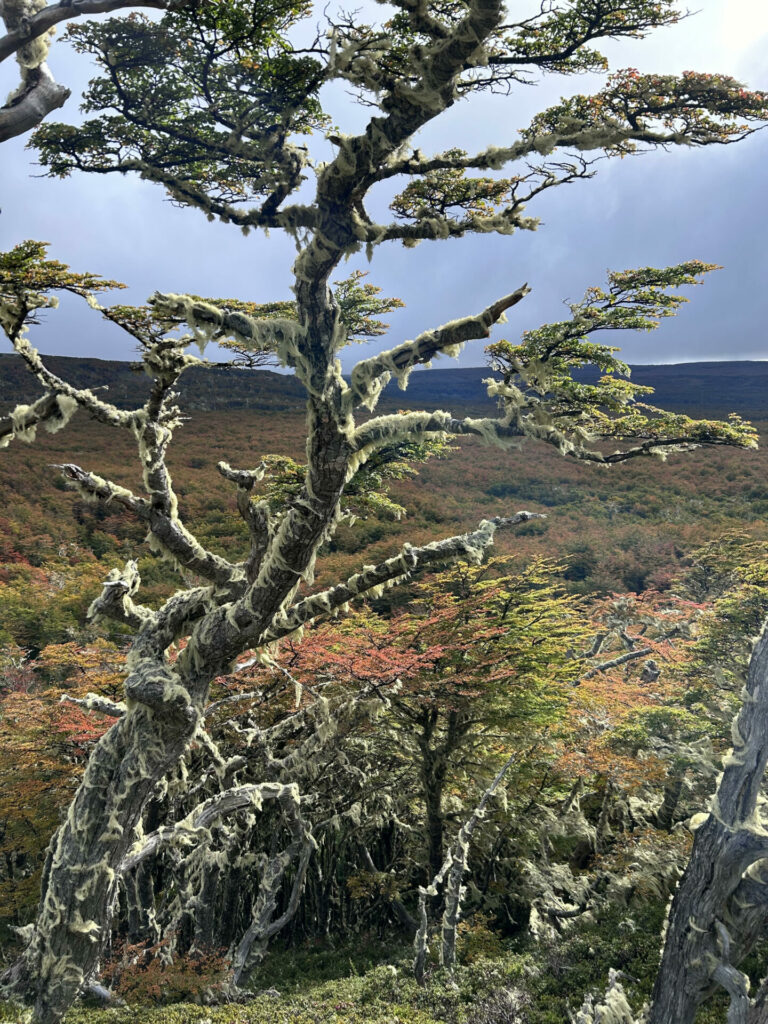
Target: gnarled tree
[(207, 102)]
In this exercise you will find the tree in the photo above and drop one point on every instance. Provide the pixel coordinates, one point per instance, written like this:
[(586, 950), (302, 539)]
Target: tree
[(30, 25), (206, 102), (477, 660)]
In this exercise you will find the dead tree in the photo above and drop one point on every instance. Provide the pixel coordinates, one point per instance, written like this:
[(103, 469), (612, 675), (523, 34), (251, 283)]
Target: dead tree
[(451, 873), (718, 912)]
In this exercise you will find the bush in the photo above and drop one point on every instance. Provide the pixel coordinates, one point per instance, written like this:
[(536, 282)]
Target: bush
[(477, 940), (143, 975), (507, 1006)]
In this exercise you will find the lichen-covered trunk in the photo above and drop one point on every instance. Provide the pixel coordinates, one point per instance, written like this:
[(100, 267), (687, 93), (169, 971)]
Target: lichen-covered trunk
[(231, 906), (434, 781), (140, 901), (80, 881), (204, 909), (434, 770), (690, 954), (714, 917)]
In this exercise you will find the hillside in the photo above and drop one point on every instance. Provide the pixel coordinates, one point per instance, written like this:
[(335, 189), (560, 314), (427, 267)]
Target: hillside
[(712, 388)]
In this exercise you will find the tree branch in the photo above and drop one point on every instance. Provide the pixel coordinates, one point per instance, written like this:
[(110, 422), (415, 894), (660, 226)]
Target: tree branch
[(385, 430), (93, 702), (373, 578), (209, 323), (369, 376), (116, 599), (42, 21), (614, 662), (203, 816), (104, 412), (92, 486), (37, 97), (52, 410), (166, 529)]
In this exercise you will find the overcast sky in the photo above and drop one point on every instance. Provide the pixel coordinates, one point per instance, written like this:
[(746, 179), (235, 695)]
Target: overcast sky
[(658, 209)]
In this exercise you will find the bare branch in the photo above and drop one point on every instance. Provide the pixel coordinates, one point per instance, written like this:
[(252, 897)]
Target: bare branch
[(29, 35), (92, 486), (255, 514), (203, 816), (370, 375), (116, 599), (209, 323), (375, 577), (232, 699), (42, 21), (102, 411), (52, 410), (37, 97), (615, 662), (399, 908), (167, 530), (290, 218), (93, 702), (252, 946)]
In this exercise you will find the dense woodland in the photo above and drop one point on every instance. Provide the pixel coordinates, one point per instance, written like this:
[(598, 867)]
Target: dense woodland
[(602, 647)]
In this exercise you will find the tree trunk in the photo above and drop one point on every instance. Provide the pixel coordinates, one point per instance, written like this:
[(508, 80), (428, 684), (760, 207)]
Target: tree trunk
[(666, 813), (231, 906), (434, 781), (140, 901), (81, 876), (204, 912), (714, 893), (434, 769)]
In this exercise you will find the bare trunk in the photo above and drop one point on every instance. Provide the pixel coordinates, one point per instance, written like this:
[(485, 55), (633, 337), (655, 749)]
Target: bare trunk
[(715, 895), (433, 798), (204, 912), (434, 769), (140, 901)]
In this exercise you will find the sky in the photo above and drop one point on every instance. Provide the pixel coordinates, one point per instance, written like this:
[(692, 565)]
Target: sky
[(657, 209)]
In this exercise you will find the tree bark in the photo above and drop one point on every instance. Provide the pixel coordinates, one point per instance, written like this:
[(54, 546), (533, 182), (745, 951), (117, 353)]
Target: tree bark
[(709, 900), (672, 790), (81, 877)]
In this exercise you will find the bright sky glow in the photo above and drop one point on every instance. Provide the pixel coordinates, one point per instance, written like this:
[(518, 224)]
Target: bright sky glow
[(742, 23)]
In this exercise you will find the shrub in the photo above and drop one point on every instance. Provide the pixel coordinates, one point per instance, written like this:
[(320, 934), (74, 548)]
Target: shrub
[(144, 975)]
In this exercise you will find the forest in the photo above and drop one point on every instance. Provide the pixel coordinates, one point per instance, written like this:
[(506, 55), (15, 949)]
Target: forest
[(325, 706)]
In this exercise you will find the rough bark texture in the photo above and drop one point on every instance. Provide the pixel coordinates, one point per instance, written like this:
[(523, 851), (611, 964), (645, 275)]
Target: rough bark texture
[(80, 883), (715, 911)]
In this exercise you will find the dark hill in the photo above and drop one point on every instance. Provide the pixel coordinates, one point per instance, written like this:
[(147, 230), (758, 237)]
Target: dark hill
[(701, 389)]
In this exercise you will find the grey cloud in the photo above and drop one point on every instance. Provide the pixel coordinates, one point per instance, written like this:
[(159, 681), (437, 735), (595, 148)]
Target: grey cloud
[(658, 209)]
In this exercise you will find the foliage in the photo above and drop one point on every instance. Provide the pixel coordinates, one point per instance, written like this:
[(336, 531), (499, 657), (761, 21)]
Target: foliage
[(367, 492), (144, 976), (699, 108), (359, 309), (539, 386), (374, 724), (150, 99), (43, 747)]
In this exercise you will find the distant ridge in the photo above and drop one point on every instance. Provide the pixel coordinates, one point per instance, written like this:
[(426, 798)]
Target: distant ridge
[(700, 389)]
